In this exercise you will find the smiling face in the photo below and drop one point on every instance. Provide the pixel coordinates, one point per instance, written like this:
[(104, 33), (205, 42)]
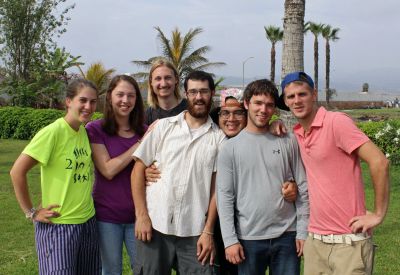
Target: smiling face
[(81, 107), (301, 98), (123, 98), (260, 109), (232, 118), (163, 82), (199, 98)]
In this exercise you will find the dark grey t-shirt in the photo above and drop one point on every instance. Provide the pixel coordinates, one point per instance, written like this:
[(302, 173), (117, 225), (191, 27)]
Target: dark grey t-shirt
[(152, 114)]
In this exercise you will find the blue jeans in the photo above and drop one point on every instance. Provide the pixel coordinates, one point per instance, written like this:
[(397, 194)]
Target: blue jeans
[(278, 254), (112, 236)]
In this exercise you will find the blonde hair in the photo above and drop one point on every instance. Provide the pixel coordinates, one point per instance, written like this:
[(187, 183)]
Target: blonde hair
[(151, 95)]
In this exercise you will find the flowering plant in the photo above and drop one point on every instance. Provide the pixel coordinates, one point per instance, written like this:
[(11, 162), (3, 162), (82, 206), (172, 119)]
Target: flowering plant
[(386, 135)]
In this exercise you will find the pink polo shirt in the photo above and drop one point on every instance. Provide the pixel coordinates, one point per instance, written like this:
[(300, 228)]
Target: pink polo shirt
[(335, 185)]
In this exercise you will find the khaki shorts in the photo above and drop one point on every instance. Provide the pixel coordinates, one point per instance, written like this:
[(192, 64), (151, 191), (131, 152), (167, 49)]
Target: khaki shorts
[(338, 259)]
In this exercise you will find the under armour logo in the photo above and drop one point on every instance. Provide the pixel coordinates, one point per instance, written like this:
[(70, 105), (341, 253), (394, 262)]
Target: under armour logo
[(276, 151)]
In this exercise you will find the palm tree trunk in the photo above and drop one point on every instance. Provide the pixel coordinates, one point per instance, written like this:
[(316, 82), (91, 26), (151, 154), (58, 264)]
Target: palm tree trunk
[(293, 37), (327, 71), (272, 77), (316, 64), (292, 46)]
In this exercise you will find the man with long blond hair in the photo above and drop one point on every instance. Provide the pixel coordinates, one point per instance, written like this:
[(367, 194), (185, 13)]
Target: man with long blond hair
[(164, 97)]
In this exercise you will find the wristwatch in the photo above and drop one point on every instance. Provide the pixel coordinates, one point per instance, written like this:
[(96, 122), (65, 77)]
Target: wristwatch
[(31, 213)]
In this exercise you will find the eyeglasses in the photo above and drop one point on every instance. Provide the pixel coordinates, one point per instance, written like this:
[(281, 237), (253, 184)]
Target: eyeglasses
[(194, 92), (238, 114)]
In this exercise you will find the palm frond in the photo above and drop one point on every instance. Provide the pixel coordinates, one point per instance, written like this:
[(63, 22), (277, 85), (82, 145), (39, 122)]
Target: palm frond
[(178, 50), (273, 33), (314, 28), (165, 43)]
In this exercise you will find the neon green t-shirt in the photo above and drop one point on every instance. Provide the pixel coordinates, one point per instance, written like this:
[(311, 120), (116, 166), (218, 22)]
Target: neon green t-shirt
[(66, 170)]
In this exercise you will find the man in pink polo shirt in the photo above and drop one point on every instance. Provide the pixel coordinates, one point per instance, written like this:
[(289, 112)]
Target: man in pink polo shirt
[(331, 147)]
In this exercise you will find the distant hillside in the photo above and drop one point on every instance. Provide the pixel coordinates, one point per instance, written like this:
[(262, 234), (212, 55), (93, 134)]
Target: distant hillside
[(383, 80)]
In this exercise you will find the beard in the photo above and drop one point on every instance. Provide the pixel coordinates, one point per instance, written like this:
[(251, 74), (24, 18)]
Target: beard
[(196, 113), (259, 124)]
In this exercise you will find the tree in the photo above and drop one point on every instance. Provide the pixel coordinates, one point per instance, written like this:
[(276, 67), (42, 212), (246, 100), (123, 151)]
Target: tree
[(59, 62), (27, 32), (178, 50), (316, 30), (293, 37), (99, 75), (51, 83), (273, 34), (329, 34), (292, 45)]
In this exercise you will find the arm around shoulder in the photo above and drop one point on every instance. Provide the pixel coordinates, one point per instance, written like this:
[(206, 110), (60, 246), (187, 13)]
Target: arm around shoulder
[(143, 226), (110, 167)]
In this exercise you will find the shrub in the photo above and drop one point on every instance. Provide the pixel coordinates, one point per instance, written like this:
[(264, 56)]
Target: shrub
[(24, 123), (386, 135), (10, 117), (36, 120)]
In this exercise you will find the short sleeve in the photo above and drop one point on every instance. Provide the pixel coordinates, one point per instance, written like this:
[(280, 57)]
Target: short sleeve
[(347, 136), (95, 132), (148, 116), (41, 146), (146, 151)]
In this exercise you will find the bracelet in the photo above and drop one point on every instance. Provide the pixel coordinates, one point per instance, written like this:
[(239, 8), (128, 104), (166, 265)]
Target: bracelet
[(31, 213), (208, 232)]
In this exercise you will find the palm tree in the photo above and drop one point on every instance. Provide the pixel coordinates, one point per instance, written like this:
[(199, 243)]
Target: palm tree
[(316, 30), (178, 50), (292, 45), (59, 62), (293, 37), (330, 34), (273, 34), (99, 75)]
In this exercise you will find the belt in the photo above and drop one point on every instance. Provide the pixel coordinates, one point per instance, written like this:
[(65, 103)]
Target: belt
[(345, 238)]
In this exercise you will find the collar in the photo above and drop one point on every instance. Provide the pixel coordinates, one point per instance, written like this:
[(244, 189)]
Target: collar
[(317, 122), (181, 119)]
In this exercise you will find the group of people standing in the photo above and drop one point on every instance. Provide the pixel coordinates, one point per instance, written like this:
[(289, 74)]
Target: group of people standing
[(201, 191)]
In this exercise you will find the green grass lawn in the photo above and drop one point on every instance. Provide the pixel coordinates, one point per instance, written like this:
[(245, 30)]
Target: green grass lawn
[(17, 249), (374, 114)]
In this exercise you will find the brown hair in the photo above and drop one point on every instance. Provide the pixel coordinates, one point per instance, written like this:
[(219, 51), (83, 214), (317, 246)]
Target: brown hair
[(136, 117), (151, 95), (261, 87), (76, 85)]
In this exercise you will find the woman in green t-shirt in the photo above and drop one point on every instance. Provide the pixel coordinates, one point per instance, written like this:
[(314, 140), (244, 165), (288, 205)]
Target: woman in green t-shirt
[(65, 228)]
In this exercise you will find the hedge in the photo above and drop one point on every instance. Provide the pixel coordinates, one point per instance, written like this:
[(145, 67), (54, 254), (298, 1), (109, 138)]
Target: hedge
[(24, 123)]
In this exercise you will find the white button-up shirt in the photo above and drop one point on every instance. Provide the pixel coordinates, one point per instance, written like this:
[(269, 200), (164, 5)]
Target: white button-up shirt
[(178, 202)]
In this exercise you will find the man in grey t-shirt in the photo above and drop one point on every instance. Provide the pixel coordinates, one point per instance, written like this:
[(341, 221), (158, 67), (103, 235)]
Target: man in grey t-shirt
[(259, 228)]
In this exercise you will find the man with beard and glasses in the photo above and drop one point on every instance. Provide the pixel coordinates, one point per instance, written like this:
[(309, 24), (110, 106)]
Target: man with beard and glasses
[(231, 116), (175, 216), (260, 229)]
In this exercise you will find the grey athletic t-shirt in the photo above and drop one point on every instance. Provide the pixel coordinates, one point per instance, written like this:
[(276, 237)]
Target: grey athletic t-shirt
[(250, 171)]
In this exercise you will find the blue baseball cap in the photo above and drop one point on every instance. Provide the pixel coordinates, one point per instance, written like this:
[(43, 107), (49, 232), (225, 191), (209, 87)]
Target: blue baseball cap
[(291, 77), (297, 76)]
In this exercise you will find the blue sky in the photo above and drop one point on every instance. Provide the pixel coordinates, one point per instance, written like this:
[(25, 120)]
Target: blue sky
[(116, 32)]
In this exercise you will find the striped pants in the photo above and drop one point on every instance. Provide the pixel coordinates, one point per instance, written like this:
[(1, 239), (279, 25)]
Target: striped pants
[(68, 249)]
